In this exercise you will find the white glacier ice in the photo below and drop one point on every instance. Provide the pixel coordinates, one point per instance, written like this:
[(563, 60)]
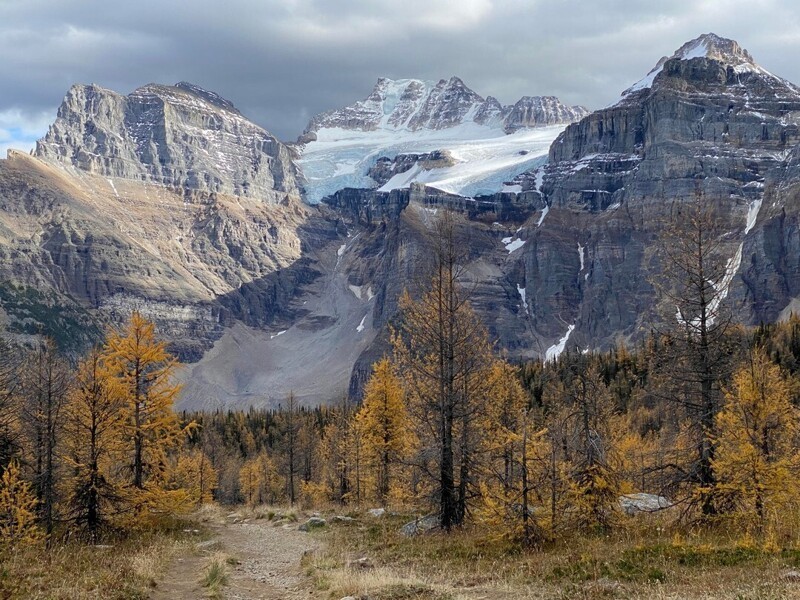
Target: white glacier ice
[(752, 213), (486, 157)]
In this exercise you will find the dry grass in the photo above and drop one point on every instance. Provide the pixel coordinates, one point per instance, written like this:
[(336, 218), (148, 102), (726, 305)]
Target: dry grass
[(648, 563), (215, 577), (120, 569)]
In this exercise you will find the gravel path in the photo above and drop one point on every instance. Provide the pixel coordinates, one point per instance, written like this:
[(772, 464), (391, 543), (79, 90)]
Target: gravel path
[(269, 561), (268, 565)]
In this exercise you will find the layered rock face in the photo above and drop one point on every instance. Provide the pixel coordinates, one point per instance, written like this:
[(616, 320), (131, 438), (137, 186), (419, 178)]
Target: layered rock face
[(538, 111), (768, 286), (706, 121), (385, 168), (167, 201), (571, 266), (180, 136), (413, 105), (112, 245)]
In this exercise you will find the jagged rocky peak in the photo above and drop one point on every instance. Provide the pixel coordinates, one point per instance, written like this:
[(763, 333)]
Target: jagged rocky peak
[(710, 93), (447, 105), (414, 105), (710, 45), (536, 111), (208, 96), (728, 53), (180, 136), (708, 120)]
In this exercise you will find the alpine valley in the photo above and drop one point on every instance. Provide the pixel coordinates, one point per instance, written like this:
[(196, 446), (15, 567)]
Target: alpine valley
[(276, 267)]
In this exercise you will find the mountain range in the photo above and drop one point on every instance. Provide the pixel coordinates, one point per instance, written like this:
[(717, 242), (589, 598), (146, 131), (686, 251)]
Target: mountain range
[(275, 267)]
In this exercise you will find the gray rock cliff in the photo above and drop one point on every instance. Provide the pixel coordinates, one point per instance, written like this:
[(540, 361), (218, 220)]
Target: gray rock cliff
[(180, 136), (707, 120)]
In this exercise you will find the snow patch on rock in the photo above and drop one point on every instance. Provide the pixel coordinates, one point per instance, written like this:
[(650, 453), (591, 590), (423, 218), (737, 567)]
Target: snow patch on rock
[(545, 210), (521, 291), (512, 244), (554, 351)]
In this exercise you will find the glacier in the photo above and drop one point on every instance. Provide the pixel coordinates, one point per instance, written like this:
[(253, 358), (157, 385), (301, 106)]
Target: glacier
[(486, 158)]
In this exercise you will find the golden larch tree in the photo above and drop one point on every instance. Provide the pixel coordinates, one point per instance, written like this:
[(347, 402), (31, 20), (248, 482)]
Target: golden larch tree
[(269, 478), (250, 481), (340, 458), (442, 350), (145, 370), (194, 473), (756, 457), (95, 421), (385, 427), (17, 509), (514, 458)]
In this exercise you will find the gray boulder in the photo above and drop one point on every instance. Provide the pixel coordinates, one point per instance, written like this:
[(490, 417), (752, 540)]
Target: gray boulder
[(633, 504), (313, 523), (342, 519), (420, 526)]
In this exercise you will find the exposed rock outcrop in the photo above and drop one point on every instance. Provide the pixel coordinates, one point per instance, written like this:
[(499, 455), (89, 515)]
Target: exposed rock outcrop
[(167, 201), (181, 137), (385, 168), (537, 111), (171, 202), (707, 120), (111, 245)]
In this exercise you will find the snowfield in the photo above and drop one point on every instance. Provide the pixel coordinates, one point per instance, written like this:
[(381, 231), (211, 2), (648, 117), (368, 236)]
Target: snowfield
[(485, 157)]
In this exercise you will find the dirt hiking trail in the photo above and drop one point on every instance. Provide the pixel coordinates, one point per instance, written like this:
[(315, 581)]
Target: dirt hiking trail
[(267, 565)]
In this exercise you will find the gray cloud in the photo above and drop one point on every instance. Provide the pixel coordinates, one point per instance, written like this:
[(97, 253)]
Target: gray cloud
[(282, 61)]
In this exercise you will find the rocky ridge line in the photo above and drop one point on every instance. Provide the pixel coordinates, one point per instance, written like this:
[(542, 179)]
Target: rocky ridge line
[(181, 136)]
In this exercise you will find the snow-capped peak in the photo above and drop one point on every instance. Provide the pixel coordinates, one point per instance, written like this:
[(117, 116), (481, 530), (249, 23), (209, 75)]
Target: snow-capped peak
[(708, 45), (402, 121), (404, 104), (416, 105)]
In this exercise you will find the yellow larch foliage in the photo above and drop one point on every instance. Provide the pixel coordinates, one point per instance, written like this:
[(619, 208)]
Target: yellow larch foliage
[(17, 509), (271, 483), (515, 458), (583, 421), (145, 370), (250, 481), (632, 455), (385, 428), (94, 428), (339, 459), (194, 473), (756, 457), (506, 403), (259, 480)]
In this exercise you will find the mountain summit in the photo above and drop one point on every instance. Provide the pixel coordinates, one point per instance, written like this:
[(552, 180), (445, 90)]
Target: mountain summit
[(414, 105), (712, 47), (707, 121), (180, 136)]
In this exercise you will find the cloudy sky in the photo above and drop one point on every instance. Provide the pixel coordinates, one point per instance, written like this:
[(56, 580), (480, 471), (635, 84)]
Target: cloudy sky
[(282, 61)]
